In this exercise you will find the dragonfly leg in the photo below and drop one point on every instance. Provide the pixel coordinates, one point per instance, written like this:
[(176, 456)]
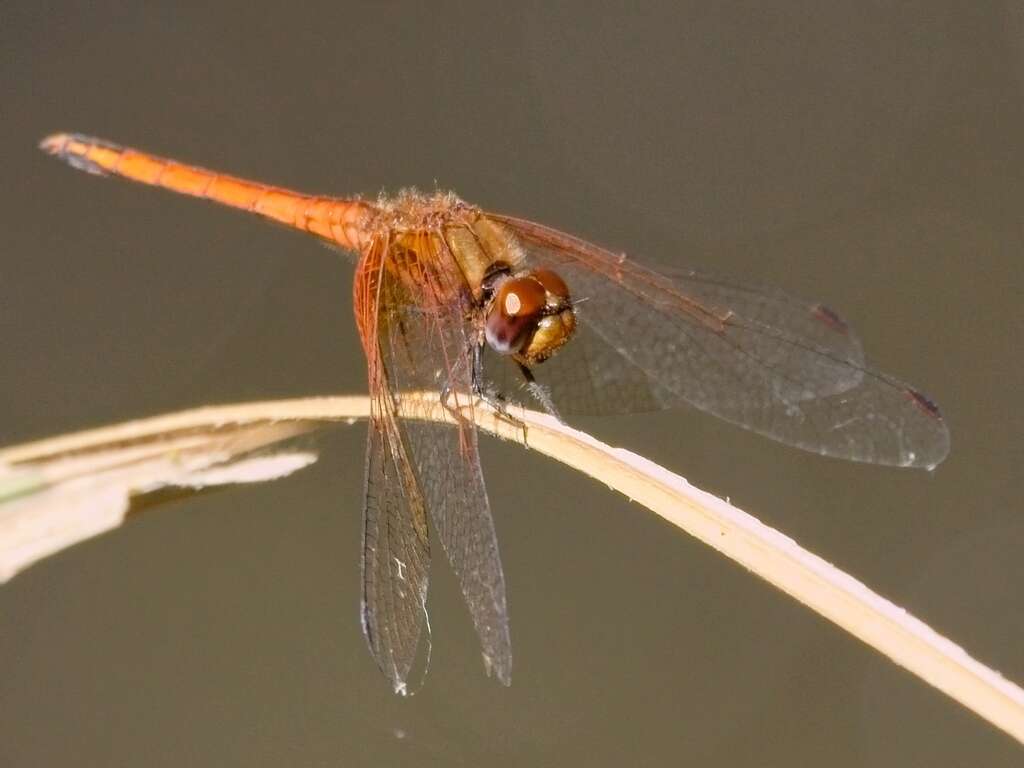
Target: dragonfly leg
[(489, 396), (539, 392), (487, 393), (484, 390)]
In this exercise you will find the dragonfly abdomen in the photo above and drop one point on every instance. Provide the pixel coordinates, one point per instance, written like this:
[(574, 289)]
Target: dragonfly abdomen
[(338, 220)]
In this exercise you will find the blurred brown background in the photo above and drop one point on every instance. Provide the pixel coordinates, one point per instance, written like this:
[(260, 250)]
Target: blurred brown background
[(864, 154)]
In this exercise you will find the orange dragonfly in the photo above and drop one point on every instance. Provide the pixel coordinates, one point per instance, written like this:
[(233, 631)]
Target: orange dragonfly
[(478, 305)]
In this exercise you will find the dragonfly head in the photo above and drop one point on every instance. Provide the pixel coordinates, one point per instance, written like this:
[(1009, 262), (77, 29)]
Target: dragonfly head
[(528, 315)]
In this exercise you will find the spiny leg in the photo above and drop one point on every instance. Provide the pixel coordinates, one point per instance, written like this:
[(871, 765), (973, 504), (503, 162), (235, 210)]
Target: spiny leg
[(491, 398), (539, 392), (486, 392), (482, 388)]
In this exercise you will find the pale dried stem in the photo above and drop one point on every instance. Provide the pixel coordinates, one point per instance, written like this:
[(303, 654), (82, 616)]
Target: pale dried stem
[(766, 552)]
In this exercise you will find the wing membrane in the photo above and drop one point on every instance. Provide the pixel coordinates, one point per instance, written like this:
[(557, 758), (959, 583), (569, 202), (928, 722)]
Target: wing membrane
[(425, 342), (396, 553), (396, 549), (788, 369)]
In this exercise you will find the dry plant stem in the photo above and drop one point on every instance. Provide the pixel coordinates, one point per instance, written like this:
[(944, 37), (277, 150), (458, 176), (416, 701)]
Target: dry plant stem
[(771, 555), (51, 504)]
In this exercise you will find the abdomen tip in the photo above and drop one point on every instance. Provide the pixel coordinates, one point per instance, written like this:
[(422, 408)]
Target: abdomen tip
[(54, 143)]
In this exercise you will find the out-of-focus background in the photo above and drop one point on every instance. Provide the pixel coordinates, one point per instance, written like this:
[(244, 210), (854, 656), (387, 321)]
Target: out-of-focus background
[(866, 154)]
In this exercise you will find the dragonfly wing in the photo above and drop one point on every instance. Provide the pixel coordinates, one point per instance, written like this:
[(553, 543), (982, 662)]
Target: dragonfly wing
[(783, 367), (457, 500), (586, 377), (396, 550), (427, 344), (396, 553)]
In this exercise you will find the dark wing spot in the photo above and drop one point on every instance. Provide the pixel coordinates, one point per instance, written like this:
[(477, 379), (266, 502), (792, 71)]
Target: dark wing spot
[(924, 403), (830, 318)]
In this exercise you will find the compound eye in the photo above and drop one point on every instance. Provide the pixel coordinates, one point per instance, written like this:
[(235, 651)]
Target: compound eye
[(522, 297), (514, 312), (557, 290)]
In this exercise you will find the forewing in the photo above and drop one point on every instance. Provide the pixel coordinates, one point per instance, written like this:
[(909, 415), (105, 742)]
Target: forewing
[(396, 552), (780, 366), (427, 344)]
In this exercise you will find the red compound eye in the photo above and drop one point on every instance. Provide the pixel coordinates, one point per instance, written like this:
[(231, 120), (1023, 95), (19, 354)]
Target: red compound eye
[(515, 310), (530, 316)]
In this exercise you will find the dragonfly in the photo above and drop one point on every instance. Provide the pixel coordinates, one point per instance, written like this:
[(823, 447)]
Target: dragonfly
[(490, 308)]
